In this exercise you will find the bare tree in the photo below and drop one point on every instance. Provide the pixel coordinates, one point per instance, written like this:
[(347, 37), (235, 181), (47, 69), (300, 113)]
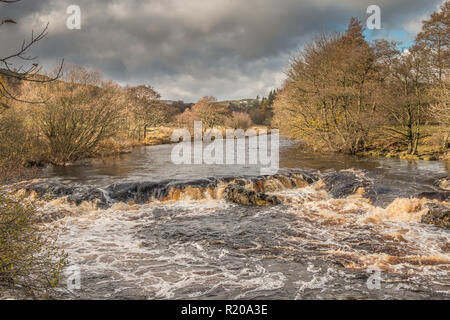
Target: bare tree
[(20, 65), (327, 99), (435, 36), (147, 108), (206, 110), (403, 99), (78, 114), (440, 108)]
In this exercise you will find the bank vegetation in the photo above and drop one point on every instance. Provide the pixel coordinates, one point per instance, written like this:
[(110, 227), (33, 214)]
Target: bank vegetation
[(346, 94)]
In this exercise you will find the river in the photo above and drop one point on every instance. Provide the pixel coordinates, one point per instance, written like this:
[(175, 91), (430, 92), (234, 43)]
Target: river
[(191, 244)]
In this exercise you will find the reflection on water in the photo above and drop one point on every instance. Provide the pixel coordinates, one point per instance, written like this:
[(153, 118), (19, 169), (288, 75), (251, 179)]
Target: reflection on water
[(154, 163), (395, 177)]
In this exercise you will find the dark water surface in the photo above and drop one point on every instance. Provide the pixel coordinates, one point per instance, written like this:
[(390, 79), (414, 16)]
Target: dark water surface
[(154, 163)]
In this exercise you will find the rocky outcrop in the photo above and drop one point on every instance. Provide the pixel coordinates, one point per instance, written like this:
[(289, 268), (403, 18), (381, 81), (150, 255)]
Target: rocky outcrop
[(254, 188), (238, 194), (440, 193), (76, 193), (142, 192), (242, 190), (443, 183), (438, 215), (433, 195), (344, 183), (52, 214)]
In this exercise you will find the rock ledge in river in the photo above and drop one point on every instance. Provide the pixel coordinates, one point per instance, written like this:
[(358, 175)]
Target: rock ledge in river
[(239, 195), (345, 182), (438, 215)]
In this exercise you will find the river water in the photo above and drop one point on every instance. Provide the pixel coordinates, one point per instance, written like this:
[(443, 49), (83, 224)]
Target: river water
[(191, 244)]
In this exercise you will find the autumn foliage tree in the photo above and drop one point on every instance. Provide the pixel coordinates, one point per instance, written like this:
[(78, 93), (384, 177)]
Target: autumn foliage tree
[(344, 94), (327, 99), (147, 108), (238, 120), (206, 110), (30, 262), (77, 113)]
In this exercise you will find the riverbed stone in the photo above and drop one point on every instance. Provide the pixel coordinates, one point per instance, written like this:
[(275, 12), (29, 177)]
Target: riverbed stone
[(443, 183), (51, 215), (438, 215), (344, 183), (76, 193), (237, 194), (433, 195)]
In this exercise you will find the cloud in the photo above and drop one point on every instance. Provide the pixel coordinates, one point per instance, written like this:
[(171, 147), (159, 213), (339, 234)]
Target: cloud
[(414, 25), (187, 49)]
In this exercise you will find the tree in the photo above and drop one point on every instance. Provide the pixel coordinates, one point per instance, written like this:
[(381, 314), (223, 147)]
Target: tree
[(148, 110), (327, 99), (209, 112), (206, 110), (30, 263), (78, 113), (440, 108), (435, 36), (404, 95), (435, 39), (271, 97), (239, 120), (11, 72)]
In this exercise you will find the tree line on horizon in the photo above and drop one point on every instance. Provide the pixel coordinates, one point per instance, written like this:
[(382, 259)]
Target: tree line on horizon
[(79, 115)]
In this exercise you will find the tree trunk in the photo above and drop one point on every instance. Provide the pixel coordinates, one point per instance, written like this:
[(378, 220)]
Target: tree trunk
[(445, 142), (416, 140)]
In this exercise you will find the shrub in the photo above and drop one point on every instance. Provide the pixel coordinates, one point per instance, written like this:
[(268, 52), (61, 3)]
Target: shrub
[(30, 263), (76, 118), (239, 120)]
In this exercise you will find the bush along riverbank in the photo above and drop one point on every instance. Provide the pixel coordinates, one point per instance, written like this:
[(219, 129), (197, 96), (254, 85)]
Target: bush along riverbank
[(432, 146)]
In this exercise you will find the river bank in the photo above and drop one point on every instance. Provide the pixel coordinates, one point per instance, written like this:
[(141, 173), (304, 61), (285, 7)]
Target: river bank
[(430, 148)]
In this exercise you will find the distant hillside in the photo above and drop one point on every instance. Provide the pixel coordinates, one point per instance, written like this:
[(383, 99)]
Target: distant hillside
[(242, 105), (179, 104)]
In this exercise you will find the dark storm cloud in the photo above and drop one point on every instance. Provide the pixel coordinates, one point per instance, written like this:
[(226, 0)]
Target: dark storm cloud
[(191, 48)]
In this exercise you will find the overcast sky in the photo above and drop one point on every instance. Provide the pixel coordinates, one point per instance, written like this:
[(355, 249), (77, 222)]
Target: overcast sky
[(187, 49)]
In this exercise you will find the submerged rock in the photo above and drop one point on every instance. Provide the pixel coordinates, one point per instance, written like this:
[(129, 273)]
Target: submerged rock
[(246, 190), (76, 193), (443, 184), (142, 192), (50, 215), (238, 194), (434, 195), (438, 215), (344, 183)]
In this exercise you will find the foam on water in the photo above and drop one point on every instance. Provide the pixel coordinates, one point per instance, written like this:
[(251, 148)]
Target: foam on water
[(311, 246)]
